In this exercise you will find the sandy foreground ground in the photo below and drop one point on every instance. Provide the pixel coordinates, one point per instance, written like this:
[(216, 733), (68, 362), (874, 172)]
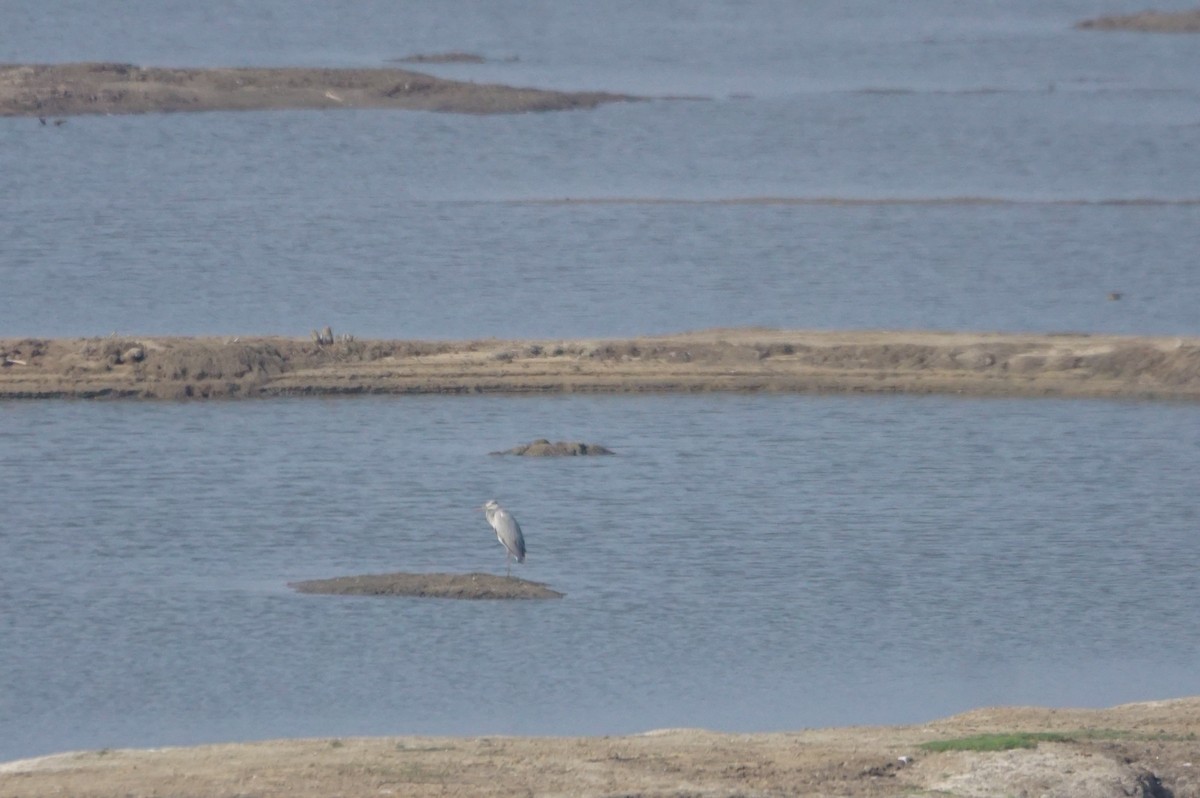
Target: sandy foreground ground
[(1145, 749), (57, 90), (740, 360)]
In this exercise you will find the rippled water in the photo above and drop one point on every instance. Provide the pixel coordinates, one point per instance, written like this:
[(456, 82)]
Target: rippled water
[(745, 562), (1075, 150)]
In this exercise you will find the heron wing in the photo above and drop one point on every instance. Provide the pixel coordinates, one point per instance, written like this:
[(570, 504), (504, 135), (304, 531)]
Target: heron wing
[(508, 532)]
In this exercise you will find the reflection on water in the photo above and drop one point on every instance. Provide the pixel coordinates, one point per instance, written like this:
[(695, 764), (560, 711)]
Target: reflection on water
[(743, 563)]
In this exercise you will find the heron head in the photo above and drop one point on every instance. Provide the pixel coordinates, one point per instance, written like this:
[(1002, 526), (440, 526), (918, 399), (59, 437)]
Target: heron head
[(491, 504)]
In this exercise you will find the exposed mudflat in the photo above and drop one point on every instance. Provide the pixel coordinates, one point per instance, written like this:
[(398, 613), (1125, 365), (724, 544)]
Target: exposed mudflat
[(1147, 749), (453, 586), (56, 90), (745, 360), (1147, 22)]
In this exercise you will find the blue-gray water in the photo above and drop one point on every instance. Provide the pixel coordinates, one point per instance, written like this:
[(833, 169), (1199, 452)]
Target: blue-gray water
[(743, 563), (746, 562), (401, 224)]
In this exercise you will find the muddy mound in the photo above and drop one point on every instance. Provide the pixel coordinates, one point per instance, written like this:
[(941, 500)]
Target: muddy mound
[(453, 586), (544, 448)]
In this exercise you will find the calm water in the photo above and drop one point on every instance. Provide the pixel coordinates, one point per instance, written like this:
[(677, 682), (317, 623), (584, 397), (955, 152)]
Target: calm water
[(747, 562), (397, 224), (744, 563)]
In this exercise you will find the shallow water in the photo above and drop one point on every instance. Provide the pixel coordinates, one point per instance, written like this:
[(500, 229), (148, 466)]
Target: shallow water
[(745, 563), (1080, 146)]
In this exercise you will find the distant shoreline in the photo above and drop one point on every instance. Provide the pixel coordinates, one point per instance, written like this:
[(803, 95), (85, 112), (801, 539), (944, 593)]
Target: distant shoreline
[(729, 360), (59, 90)]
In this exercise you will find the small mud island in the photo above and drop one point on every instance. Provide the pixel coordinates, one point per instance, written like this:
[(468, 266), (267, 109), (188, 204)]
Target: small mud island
[(454, 586), (731, 360), (43, 90)]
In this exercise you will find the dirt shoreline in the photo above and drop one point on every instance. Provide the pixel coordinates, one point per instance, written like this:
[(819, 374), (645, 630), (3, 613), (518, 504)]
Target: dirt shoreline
[(57, 90), (731, 360), (1145, 749)]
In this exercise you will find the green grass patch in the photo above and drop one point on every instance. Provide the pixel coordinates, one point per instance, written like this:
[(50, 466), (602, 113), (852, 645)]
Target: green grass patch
[(997, 742), (1009, 740)]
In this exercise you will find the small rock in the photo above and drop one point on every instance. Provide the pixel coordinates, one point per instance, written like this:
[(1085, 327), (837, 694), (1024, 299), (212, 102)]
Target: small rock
[(544, 448)]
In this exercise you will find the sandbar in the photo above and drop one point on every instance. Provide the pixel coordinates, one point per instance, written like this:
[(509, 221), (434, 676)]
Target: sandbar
[(744, 360), (60, 90)]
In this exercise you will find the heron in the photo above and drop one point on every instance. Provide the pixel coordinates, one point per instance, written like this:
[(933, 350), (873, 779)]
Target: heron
[(508, 532)]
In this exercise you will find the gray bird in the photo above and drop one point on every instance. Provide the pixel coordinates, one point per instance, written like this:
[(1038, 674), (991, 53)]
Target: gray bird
[(508, 532)]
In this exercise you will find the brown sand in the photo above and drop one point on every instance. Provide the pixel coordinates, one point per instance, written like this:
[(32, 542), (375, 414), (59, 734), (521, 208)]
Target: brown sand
[(47, 90), (1147, 22), (452, 586), (743, 360), (1148, 749)]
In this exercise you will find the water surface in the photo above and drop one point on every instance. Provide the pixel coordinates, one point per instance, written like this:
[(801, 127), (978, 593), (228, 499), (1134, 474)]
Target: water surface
[(744, 563), (1020, 171)]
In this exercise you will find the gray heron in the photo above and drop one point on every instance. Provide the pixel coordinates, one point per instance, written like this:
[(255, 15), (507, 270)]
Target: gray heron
[(508, 532)]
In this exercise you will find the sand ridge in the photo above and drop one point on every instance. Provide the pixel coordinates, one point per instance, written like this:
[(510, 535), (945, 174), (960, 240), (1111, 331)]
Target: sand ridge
[(737, 360)]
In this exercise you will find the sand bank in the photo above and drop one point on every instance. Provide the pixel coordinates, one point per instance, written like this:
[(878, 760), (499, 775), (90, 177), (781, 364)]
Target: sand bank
[(57, 90), (737, 360)]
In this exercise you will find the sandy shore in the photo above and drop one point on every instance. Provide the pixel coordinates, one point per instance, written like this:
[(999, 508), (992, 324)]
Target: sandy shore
[(57, 90), (741, 360), (1147, 749)]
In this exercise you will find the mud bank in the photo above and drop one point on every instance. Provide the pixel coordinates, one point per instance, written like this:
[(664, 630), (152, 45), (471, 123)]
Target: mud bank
[(738, 360), (474, 586), (46, 90)]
